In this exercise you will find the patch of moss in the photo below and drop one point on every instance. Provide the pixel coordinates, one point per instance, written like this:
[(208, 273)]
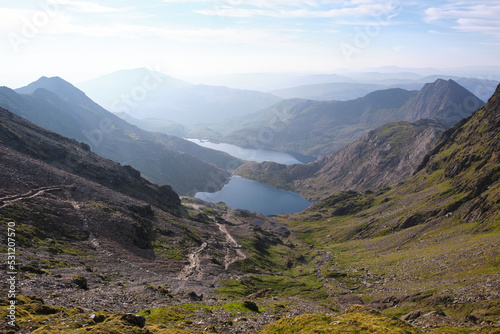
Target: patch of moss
[(358, 319), (236, 288), (171, 315)]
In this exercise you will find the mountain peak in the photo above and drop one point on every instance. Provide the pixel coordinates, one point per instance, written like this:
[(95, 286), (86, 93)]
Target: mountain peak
[(444, 100), (450, 84), (56, 85)]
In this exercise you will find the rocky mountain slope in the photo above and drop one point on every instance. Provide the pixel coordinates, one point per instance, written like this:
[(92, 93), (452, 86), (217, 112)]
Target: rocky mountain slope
[(319, 128), (385, 156), (21, 137), (161, 158)]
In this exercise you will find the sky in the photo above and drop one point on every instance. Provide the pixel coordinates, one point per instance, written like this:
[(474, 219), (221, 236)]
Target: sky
[(81, 39)]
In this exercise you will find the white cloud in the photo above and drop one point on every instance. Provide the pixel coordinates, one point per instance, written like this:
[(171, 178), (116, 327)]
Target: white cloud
[(294, 8), (372, 9), (130, 31), (468, 16), (10, 18), (89, 7)]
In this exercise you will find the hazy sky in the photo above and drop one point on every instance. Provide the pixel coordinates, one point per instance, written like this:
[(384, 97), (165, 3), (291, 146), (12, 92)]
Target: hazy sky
[(81, 39)]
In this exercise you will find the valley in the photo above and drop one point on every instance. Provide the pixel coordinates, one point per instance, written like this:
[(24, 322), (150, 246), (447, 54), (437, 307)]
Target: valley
[(398, 229), (249, 167)]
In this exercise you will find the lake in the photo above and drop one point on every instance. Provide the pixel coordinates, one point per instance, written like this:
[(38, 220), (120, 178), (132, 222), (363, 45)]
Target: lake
[(240, 193), (248, 153)]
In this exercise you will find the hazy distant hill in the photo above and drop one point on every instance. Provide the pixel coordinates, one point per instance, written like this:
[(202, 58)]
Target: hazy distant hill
[(384, 156), (341, 91), (74, 115), (320, 128), (155, 124), (282, 81), (114, 91), (143, 93)]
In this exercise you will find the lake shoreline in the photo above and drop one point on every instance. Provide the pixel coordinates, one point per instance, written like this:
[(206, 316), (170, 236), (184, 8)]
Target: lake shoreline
[(255, 155), (241, 193)]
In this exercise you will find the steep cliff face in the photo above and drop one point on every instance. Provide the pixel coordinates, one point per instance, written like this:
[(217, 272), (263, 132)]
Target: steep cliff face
[(384, 156)]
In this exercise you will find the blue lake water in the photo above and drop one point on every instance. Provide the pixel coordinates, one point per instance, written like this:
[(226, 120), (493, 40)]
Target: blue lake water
[(248, 153), (240, 193)]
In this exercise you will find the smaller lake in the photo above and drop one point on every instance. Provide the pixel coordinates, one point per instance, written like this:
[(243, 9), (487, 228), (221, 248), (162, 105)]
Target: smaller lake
[(254, 196), (248, 153)]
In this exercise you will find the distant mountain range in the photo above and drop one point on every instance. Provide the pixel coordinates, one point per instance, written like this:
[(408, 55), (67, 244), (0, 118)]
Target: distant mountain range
[(319, 128), (59, 106), (143, 93), (388, 75), (343, 91)]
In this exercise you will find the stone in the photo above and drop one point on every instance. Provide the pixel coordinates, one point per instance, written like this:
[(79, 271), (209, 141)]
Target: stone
[(411, 316), (251, 306), (134, 320)]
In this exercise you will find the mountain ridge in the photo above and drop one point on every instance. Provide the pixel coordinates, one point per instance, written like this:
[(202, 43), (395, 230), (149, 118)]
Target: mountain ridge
[(444, 100), (343, 91), (77, 116), (323, 127)]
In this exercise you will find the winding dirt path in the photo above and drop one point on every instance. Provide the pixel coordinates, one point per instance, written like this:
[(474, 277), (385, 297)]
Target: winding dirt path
[(7, 200), (235, 246), (192, 270)]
